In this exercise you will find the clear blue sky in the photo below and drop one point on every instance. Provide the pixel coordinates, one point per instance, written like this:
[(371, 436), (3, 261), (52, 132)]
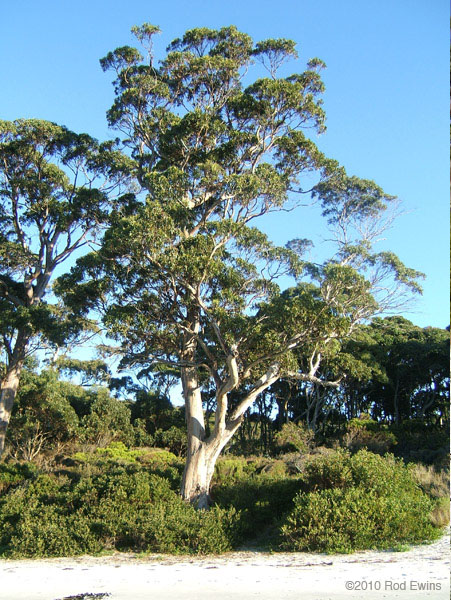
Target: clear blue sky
[(387, 92)]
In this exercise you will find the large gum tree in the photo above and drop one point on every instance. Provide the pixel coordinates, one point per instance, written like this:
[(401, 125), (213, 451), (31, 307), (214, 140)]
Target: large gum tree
[(184, 278), (54, 187)]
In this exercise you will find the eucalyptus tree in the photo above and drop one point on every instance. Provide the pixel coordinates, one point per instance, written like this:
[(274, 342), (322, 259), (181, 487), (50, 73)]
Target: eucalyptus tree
[(184, 278), (54, 187)]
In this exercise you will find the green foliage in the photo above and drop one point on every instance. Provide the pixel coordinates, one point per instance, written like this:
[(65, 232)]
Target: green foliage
[(293, 437), (410, 371), (155, 460), (357, 502), (182, 277), (174, 439), (48, 205), (230, 470), (13, 473), (115, 451), (43, 416), (108, 420), (117, 498), (127, 508), (259, 490), (367, 433)]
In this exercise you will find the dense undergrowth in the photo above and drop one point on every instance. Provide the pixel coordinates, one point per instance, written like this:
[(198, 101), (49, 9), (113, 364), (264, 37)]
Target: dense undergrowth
[(117, 498)]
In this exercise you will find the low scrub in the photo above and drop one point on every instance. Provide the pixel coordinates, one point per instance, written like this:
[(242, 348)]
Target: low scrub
[(355, 502), (294, 438), (125, 509), (366, 433), (118, 498)]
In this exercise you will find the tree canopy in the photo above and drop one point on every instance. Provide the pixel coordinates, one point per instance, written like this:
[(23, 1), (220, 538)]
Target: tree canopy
[(184, 278), (55, 189)]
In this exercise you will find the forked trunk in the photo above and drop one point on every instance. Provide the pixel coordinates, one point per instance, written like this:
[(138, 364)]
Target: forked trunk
[(196, 479), (199, 470), (197, 476), (202, 453)]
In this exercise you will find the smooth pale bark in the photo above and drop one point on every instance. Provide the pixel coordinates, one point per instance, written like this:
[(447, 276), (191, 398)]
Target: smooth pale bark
[(194, 482), (9, 386), (200, 465), (202, 452)]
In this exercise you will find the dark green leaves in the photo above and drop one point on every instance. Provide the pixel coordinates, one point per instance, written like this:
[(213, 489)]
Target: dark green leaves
[(54, 188)]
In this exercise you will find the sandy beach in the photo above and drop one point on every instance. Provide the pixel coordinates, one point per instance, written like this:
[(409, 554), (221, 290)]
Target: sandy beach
[(420, 572)]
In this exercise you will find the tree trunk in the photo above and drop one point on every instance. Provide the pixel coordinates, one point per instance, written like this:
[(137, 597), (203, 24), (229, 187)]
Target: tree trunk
[(10, 383), (200, 467), (197, 476), (202, 453), (195, 483), (9, 386)]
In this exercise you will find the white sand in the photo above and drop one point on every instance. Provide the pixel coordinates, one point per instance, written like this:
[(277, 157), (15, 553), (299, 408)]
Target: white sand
[(421, 572)]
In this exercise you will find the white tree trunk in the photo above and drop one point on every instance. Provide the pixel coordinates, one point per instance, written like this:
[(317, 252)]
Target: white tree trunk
[(9, 386), (194, 483), (199, 469), (203, 453)]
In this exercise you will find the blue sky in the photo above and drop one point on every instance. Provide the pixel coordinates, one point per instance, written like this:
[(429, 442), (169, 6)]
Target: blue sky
[(387, 93)]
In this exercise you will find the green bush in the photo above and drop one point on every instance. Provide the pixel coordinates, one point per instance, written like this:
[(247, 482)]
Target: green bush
[(126, 508), (163, 463), (258, 489), (42, 416), (179, 528), (174, 439), (294, 438), (121, 499), (379, 442), (108, 420), (13, 473), (118, 451), (357, 502), (230, 470)]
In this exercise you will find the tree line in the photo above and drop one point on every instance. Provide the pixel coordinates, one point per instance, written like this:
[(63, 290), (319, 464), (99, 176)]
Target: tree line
[(396, 385)]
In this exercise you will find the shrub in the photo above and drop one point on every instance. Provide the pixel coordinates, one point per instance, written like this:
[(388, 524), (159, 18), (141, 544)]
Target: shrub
[(14, 473), (178, 528), (163, 463), (126, 508), (356, 502), (366, 433), (174, 439), (42, 417), (108, 420), (260, 494), (46, 532), (230, 470), (294, 438), (118, 451)]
